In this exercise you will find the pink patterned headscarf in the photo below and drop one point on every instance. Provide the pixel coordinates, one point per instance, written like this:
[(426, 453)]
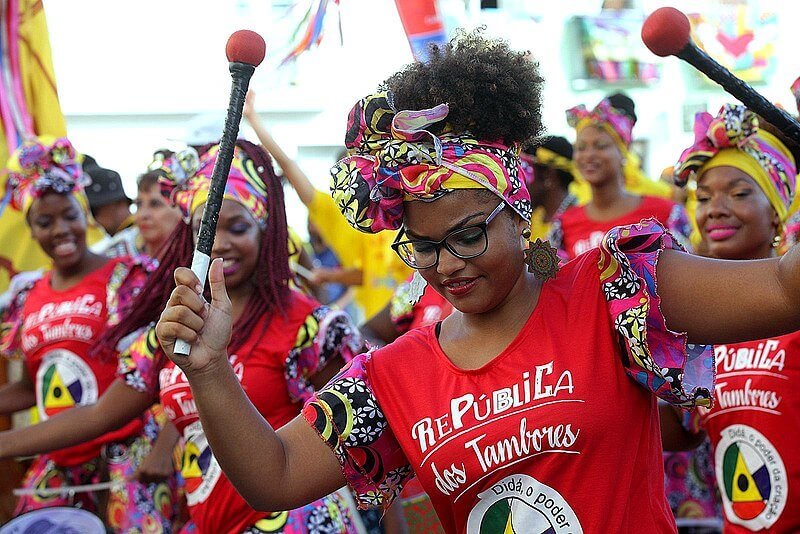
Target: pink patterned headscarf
[(43, 165), (187, 182), (733, 138), (606, 116), (394, 158)]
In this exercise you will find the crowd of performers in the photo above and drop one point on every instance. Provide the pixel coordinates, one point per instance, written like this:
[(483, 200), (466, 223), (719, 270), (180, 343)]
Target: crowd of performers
[(568, 320)]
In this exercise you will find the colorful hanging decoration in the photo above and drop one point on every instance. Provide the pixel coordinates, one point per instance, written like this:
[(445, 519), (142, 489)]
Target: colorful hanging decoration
[(28, 106), (612, 48), (423, 25), (16, 120), (739, 36), (309, 30)]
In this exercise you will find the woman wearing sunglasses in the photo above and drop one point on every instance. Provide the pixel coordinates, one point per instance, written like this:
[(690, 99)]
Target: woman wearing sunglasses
[(529, 408)]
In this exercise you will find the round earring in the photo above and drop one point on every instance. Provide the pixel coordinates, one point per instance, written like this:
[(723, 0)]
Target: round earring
[(542, 259), (524, 239), (776, 241)]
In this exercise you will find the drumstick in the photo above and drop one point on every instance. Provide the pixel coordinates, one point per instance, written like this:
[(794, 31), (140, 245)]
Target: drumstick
[(245, 50), (666, 32), (66, 490)]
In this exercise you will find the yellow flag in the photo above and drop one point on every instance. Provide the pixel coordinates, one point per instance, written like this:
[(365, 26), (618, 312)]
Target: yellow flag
[(33, 83)]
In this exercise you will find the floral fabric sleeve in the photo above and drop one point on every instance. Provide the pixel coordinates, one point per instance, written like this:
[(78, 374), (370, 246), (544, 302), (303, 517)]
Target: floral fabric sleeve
[(11, 303), (657, 358), (347, 416), (141, 362), (127, 279), (325, 334)]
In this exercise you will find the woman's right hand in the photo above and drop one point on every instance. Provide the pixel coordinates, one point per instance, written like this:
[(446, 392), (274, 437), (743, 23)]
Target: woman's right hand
[(205, 326)]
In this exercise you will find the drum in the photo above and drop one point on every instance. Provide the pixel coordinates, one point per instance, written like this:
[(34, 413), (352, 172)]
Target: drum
[(58, 520)]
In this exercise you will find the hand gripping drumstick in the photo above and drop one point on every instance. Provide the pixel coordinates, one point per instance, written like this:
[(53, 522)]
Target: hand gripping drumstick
[(245, 51), (666, 32)]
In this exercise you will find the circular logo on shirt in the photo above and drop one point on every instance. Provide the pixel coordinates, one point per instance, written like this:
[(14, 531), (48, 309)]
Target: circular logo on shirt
[(63, 381), (520, 503), (199, 468), (752, 477)]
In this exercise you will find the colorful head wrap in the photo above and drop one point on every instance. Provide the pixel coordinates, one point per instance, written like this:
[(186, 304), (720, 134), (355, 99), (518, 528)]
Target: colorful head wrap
[(618, 125), (395, 159), (187, 180), (733, 138), (43, 165)]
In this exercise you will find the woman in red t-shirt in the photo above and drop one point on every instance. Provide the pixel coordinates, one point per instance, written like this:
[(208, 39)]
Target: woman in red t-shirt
[(531, 406), (746, 179), (284, 343), (603, 139), (52, 323)]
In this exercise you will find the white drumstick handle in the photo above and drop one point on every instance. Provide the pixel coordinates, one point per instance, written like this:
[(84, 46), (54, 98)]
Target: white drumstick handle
[(200, 263)]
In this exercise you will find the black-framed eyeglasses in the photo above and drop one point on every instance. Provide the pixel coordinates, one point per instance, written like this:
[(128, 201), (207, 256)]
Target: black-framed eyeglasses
[(465, 243)]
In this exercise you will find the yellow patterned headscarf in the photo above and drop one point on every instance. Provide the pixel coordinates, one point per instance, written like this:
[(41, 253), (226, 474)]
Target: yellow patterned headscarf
[(394, 158), (733, 138)]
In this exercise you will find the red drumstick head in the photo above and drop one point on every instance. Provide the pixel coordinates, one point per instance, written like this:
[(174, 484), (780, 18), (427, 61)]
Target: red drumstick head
[(666, 31), (245, 46)]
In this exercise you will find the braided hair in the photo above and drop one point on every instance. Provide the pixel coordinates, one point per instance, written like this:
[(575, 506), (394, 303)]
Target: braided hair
[(271, 276)]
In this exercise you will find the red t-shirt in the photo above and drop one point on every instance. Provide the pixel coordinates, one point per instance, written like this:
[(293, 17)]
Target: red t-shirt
[(58, 329), (579, 233), (531, 439), (753, 428), (558, 433), (268, 365)]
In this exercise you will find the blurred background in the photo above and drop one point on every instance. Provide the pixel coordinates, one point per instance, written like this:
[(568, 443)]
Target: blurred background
[(133, 77)]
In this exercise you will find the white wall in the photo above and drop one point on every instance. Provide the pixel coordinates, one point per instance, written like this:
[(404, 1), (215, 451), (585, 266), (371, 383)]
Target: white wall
[(133, 76)]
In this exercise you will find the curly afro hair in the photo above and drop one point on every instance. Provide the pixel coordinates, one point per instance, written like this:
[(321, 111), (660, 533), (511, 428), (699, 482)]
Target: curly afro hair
[(494, 92)]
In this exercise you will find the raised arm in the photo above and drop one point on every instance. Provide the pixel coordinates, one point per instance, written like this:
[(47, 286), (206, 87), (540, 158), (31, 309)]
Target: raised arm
[(299, 466), (300, 182), (718, 301), (118, 405)]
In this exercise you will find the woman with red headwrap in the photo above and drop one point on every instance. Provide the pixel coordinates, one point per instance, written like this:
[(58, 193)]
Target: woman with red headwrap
[(53, 323), (600, 156), (746, 180), (532, 406), (284, 343)]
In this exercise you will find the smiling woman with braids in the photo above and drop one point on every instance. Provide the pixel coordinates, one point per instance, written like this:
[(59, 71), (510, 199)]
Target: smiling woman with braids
[(532, 407), (282, 345)]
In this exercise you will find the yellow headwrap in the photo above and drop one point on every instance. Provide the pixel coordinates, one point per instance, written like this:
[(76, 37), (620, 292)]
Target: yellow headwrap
[(733, 138)]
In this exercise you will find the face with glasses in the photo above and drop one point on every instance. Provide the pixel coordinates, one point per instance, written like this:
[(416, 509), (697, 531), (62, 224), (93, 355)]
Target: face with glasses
[(466, 245)]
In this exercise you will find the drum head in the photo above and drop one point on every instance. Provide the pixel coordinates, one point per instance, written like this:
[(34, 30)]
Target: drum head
[(58, 520)]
